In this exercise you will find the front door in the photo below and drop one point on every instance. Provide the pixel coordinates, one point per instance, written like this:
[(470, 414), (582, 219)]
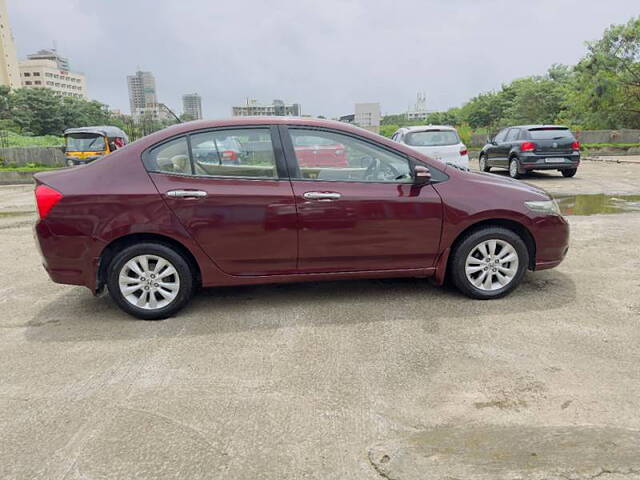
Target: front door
[(361, 211), (229, 192)]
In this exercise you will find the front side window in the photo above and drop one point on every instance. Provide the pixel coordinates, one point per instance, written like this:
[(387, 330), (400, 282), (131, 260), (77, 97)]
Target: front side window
[(330, 156), (432, 138), (234, 153)]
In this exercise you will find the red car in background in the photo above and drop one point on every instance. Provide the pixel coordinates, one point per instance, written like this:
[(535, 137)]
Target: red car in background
[(320, 152), (151, 223)]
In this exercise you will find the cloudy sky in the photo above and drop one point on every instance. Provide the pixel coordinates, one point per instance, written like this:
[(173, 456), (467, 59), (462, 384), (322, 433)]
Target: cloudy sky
[(324, 54)]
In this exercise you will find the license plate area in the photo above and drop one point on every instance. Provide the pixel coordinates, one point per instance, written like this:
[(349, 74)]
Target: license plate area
[(554, 160)]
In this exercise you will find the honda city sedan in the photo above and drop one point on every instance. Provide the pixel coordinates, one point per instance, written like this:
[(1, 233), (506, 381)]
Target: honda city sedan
[(166, 214)]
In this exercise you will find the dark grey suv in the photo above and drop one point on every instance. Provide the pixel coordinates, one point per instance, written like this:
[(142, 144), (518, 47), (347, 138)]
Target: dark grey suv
[(532, 147)]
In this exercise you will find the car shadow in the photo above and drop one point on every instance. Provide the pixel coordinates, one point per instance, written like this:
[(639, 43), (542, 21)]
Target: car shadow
[(76, 316)]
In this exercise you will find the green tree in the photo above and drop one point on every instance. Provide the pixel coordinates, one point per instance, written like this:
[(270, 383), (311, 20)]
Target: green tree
[(38, 111), (605, 92)]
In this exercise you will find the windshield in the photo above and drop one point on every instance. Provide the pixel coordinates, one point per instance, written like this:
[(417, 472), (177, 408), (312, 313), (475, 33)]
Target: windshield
[(85, 142), (432, 138), (550, 134)]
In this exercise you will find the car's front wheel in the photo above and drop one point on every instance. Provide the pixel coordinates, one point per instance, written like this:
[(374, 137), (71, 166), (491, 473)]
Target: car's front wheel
[(569, 172), (483, 163), (489, 263), (150, 281)]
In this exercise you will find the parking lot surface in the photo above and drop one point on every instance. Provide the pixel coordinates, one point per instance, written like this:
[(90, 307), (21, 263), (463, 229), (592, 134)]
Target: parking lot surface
[(370, 379)]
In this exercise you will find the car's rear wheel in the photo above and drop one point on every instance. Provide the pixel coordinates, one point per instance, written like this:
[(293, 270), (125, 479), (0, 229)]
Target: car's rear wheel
[(569, 172), (489, 263), (150, 281), (514, 169), (483, 164)]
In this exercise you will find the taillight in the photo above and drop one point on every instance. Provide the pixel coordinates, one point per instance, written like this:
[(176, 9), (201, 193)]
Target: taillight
[(229, 155), (46, 199), (575, 145), (463, 151), (527, 147)]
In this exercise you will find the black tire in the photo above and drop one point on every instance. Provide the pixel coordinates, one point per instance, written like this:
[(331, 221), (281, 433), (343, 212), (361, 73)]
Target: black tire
[(569, 172), (483, 167), (181, 265), (468, 243), (514, 172)]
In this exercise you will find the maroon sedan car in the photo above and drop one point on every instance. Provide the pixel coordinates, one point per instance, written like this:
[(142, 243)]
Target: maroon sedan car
[(152, 221)]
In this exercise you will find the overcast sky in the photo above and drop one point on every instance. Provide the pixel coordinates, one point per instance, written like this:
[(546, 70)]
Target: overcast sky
[(324, 54)]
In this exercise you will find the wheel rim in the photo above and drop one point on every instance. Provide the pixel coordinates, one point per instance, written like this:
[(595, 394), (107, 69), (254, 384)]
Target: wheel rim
[(482, 163), (491, 265), (149, 282), (513, 168)]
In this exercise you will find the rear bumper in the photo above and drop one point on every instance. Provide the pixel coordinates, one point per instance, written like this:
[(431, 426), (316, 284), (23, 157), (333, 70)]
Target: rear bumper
[(551, 234), (65, 258), (535, 161)]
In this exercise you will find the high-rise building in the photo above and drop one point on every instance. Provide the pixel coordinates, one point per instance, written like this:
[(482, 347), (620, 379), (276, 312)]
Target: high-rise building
[(367, 115), (9, 72), (142, 91), (192, 105), (47, 69), (278, 107)]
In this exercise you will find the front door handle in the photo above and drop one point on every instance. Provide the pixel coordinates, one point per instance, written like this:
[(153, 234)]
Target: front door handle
[(322, 195), (186, 194)]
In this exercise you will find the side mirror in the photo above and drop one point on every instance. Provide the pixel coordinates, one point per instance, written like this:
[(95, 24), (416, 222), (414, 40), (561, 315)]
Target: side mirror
[(491, 140), (421, 175)]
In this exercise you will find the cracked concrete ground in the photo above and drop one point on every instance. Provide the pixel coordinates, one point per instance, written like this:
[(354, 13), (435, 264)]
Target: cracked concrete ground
[(357, 379)]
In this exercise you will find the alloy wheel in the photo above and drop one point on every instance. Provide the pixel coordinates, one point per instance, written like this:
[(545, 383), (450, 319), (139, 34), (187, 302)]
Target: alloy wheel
[(492, 264), (149, 282), (513, 169)]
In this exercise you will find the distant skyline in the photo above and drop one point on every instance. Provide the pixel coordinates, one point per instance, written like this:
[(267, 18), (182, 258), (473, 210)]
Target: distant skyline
[(324, 55)]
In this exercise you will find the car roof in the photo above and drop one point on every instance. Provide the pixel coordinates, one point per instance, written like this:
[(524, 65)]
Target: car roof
[(421, 128), (529, 127)]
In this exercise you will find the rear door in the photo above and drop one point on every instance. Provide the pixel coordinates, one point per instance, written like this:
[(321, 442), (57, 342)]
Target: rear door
[(504, 147), (367, 215), (241, 213)]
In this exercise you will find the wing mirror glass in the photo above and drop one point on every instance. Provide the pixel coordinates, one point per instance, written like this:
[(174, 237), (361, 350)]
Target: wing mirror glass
[(421, 175)]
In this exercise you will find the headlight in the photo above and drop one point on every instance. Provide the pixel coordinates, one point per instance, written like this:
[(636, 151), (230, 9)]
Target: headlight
[(548, 207)]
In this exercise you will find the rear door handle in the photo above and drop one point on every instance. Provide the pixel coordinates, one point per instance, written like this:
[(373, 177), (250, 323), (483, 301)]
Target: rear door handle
[(186, 194), (322, 195)]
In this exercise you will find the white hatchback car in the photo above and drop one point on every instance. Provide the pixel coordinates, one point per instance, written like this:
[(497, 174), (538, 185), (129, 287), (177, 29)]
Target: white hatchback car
[(439, 142)]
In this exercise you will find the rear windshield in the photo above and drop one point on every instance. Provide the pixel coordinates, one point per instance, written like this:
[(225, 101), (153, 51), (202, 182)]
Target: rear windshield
[(432, 138), (550, 133)]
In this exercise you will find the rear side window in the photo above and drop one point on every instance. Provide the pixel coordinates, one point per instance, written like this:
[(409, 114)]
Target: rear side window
[(245, 153), (170, 157), (432, 138), (512, 135), (550, 133), (234, 153)]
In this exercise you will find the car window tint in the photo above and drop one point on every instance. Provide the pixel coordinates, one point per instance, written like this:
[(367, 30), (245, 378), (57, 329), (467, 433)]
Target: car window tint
[(512, 135), (336, 157), (432, 138), (234, 153), (170, 157)]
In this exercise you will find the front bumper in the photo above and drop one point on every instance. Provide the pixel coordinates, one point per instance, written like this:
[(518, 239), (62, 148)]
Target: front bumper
[(551, 233)]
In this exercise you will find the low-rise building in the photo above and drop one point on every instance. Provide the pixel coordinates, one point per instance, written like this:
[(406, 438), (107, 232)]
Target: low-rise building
[(277, 108), (367, 116), (46, 73)]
